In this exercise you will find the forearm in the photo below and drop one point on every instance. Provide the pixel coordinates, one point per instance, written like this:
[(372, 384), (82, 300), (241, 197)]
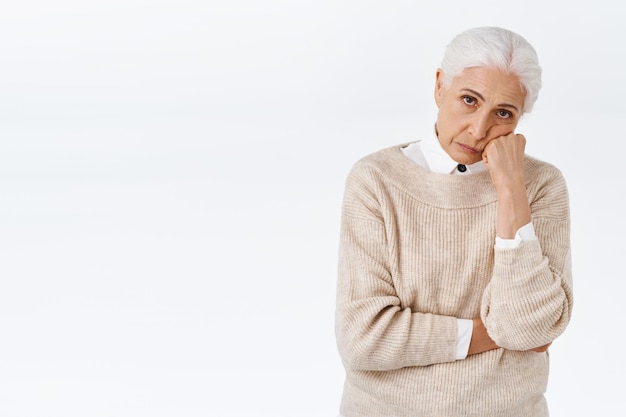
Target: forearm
[(482, 342), (513, 210), (376, 338), (527, 303)]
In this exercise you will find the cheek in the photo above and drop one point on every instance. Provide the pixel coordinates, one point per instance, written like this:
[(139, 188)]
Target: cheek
[(488, 142), (500, 130)]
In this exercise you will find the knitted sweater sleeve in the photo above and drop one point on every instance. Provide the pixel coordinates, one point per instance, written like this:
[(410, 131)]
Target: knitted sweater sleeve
[(374, 331), (528, 302)]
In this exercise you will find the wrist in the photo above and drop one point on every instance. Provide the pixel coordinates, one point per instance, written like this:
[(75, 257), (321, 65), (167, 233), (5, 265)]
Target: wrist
[(509, 186), (513, 211)]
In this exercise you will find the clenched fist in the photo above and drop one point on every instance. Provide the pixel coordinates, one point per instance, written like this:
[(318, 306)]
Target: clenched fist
[(503, 157)]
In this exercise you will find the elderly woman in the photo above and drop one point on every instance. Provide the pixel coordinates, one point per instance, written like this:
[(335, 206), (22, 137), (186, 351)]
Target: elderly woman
[(454, 264)]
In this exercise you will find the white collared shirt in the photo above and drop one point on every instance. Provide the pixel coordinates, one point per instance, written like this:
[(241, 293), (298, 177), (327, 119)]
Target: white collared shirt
[(430, 154)]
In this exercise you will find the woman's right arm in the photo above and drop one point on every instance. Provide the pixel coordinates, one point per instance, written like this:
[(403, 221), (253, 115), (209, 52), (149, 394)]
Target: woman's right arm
[(374, 331)]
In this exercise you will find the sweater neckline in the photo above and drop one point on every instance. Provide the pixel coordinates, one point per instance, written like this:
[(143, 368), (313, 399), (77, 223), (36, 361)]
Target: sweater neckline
[(440, 190)]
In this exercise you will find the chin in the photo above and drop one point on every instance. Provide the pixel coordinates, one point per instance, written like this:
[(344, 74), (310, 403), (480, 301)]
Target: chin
[(465, 160)]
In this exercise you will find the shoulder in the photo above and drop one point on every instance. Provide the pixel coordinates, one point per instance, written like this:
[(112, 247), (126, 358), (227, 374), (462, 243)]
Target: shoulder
[(371, 177), (382, 157), (535, 165), (538, 171), (381, 164), (546, 187)]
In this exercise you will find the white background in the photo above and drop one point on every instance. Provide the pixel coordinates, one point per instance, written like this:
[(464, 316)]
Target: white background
[(171, 175)]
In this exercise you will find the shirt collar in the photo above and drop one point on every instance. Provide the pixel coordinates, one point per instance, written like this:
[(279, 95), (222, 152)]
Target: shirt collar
[(440, 162)]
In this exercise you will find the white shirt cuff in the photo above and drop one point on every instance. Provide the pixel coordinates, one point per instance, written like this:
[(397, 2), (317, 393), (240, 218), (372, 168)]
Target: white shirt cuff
[(524, 234), (464, 329)]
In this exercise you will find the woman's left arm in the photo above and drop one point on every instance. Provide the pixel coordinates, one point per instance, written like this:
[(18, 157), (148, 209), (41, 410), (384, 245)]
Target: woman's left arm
[(528, 301)]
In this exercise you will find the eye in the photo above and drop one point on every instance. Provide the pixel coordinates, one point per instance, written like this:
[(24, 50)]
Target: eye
[(469, 100), (504, 114)]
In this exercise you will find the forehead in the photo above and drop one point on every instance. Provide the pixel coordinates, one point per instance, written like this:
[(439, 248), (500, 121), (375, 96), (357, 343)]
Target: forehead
[(493, 84)]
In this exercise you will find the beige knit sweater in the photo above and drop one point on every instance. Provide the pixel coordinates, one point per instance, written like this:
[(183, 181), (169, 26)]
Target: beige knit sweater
[(417, 252)]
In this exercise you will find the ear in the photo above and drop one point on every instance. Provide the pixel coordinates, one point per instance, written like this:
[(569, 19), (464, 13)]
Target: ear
[(439, 90)]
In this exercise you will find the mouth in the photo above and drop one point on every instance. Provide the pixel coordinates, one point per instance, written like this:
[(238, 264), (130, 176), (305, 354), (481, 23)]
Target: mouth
[(469, 149)]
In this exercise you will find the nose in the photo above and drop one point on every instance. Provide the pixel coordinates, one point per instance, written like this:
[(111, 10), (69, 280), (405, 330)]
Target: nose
[(479, 125)]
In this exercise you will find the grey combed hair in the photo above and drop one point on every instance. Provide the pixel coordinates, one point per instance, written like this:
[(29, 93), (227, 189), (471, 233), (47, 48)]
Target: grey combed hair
[(499, 48)]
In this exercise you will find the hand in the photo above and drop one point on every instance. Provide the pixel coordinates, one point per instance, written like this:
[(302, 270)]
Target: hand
[(503, 157), (480, 342)]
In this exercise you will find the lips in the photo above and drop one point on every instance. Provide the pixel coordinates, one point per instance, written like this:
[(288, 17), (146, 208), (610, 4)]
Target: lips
[(469, 149)]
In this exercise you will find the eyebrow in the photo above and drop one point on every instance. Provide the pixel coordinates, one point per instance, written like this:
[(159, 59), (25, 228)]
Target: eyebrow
[(480, 96)]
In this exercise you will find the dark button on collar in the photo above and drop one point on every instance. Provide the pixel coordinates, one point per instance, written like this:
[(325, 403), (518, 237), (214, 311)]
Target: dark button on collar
[(461, 168)]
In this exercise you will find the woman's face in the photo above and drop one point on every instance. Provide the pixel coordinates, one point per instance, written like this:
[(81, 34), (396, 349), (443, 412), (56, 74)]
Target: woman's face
[(476, 107)]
